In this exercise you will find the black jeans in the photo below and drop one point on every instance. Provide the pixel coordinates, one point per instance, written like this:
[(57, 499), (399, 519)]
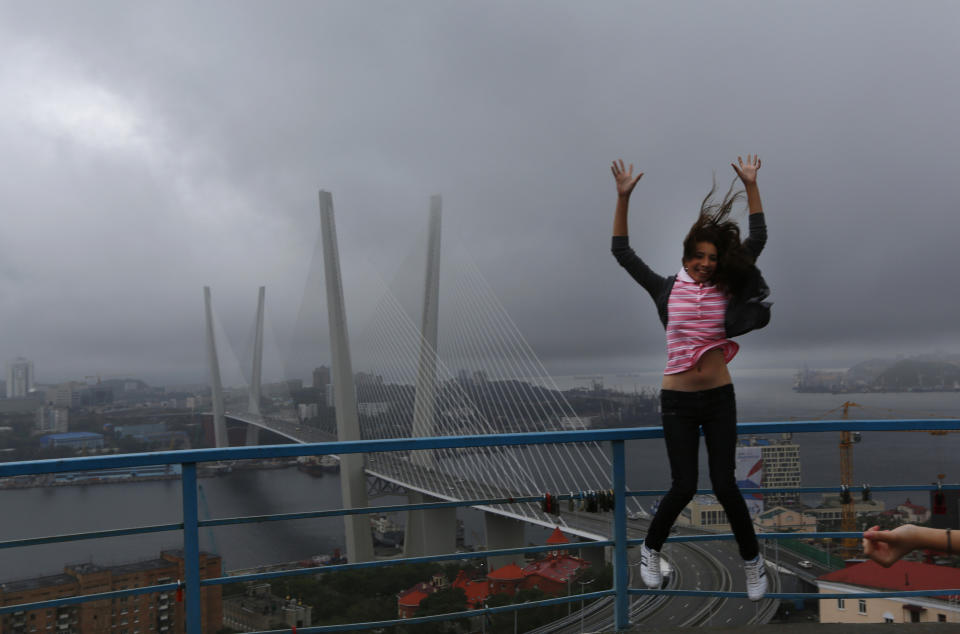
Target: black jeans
[(684, 413)]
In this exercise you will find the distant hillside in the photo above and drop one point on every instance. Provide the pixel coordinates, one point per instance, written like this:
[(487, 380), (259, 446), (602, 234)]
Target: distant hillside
[(868, 371), (911, 374)]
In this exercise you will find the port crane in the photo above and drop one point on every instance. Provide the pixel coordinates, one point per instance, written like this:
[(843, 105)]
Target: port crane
[(848, 521)]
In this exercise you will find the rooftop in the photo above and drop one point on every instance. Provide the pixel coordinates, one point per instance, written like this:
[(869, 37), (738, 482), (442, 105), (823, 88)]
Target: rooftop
[(510, 572), (903, 575), (560, 568), (412, 597), (557, 537), (476, 589), (37, 582), (142, 566)]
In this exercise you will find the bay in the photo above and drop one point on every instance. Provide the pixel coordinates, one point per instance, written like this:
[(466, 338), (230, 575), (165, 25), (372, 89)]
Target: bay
[(880, 458)]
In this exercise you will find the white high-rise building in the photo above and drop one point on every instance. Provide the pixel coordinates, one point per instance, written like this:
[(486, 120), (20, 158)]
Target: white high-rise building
[(19, 378), (52, 420), (778, 467)]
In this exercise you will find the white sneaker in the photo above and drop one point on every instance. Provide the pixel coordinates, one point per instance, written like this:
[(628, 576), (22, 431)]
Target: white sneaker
[(650, 567), (756, 570)]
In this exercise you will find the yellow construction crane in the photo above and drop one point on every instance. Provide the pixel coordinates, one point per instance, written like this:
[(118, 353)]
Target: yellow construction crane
[(848, 517)]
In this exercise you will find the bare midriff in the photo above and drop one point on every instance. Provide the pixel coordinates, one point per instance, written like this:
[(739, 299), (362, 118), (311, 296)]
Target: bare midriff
[(710, 371)]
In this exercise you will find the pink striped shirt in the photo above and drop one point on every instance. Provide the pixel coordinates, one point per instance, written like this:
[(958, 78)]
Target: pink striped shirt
[(695, 324)]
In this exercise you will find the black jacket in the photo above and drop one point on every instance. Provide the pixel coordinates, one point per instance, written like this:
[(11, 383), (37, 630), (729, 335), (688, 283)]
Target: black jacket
[(745, 312)]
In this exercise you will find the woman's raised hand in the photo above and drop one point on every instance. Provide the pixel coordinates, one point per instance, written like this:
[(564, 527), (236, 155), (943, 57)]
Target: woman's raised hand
[(626, 181), (747, 170)]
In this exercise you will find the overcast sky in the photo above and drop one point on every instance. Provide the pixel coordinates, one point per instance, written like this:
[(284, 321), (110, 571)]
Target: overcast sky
[(150, 149)]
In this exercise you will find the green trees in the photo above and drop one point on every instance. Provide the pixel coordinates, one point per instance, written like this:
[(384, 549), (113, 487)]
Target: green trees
[(442, 602), (370, 594)]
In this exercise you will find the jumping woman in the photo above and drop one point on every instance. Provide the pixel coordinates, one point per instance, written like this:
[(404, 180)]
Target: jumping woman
[(718, 294)]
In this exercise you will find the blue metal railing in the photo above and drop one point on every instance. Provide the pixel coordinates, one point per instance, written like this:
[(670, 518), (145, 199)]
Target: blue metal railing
[(617, 437)]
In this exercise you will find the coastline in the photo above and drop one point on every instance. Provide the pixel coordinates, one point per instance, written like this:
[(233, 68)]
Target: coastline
[(128, 476)]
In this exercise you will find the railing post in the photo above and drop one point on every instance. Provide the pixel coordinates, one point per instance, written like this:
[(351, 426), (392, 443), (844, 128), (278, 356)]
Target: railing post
[(620, 581), (191, 548)]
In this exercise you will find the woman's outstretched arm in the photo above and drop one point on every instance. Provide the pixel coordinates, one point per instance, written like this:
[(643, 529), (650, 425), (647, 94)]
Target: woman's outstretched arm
[(629, 260), (748, 175), (626, 181), (747, 171), (887, 547)]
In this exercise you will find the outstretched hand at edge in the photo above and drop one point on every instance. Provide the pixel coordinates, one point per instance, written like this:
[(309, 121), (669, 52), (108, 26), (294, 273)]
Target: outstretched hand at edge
[(887, 547)]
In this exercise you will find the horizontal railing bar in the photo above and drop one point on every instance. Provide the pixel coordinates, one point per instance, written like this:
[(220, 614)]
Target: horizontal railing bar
[(72, 537), (35, 467), (798, 595), (380, 563), (86, 598), (729, 536), (825, 489), (589, 596), (368, 510)]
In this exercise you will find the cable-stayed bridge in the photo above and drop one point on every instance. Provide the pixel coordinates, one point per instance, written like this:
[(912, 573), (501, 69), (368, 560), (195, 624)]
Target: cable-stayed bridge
[(498, 386)]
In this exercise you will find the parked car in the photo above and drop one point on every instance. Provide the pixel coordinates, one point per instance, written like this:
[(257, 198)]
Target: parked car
[(805, 563)]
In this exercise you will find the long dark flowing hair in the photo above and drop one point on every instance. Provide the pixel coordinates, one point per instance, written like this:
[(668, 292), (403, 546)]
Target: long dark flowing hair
[(714, 226)]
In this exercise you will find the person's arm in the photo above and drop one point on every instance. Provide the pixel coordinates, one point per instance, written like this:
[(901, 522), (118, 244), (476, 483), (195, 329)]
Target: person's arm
[(887, 547), (626, 256), (625, 184), (748, 175), (747, 171)]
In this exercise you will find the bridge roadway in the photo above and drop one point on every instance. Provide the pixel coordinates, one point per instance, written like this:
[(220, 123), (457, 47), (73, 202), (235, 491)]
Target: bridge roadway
[(696, 566), (400, 472)]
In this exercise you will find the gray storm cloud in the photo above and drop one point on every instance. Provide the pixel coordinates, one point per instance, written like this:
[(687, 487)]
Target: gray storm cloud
[(149, 150)]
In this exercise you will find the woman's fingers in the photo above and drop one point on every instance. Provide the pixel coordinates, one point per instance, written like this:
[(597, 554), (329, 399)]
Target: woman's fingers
[(618, 168), (881, 536)]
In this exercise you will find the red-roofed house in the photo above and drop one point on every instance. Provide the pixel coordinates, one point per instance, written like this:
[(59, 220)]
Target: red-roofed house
[(477, 590), (903, 575), (553, 574), (409, 600), (506, 579), (913, 513)]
